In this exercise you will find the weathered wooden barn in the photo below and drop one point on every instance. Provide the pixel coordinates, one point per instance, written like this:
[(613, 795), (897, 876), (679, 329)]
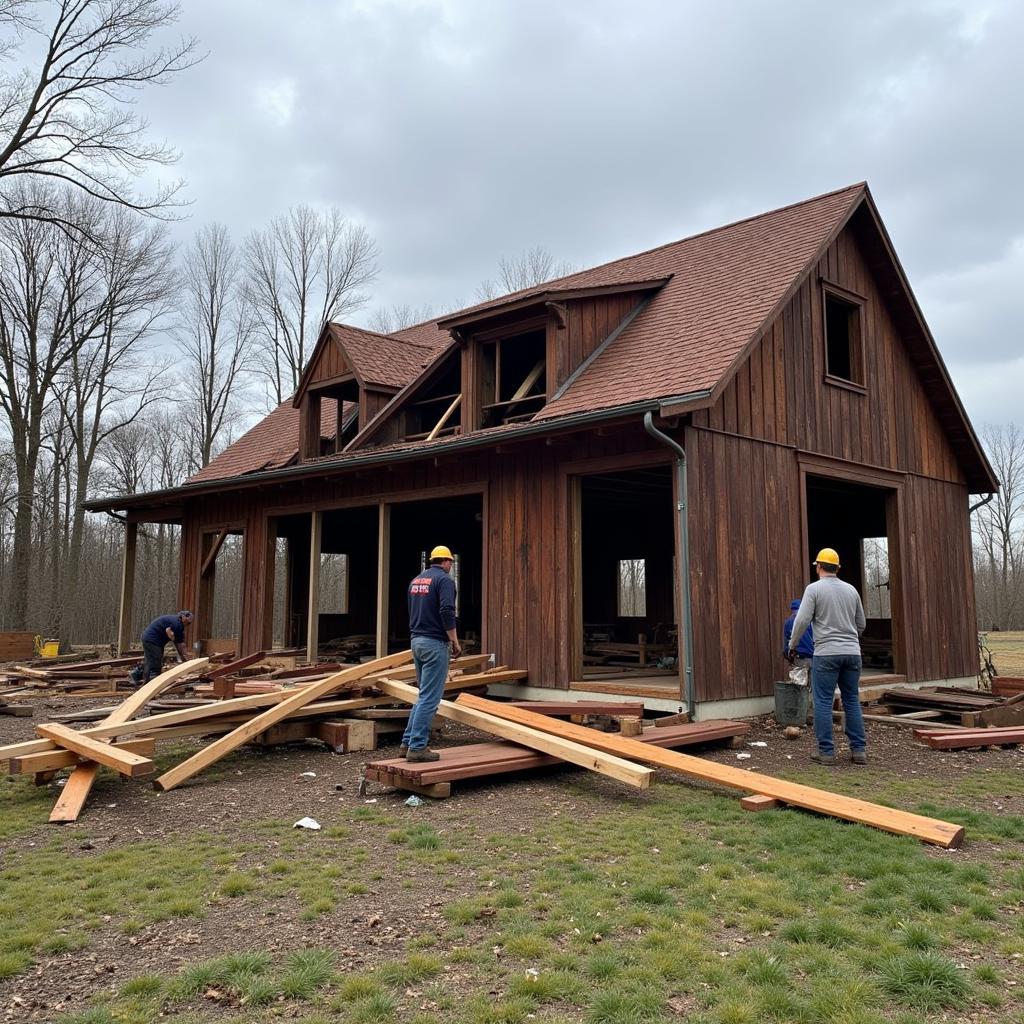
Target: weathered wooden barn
[(634, 465)]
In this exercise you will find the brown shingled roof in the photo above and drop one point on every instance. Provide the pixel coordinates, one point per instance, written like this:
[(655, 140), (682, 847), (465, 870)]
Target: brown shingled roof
[(385, 360)]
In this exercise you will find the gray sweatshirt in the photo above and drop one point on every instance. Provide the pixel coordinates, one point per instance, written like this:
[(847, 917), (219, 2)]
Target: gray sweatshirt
[(835, 610)]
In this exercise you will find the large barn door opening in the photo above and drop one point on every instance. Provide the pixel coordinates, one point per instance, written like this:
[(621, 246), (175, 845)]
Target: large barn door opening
[(627, 609), (414, 528), (860, 522)]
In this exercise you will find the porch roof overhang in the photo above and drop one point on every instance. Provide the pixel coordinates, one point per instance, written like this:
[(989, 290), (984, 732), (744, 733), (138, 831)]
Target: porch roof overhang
[(478, 440)]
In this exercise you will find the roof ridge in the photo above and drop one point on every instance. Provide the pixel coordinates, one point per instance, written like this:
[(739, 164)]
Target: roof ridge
[(380, 334), (664, 245)]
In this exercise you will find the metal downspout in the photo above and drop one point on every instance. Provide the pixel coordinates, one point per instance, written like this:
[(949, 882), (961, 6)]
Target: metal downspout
[(684, 559)]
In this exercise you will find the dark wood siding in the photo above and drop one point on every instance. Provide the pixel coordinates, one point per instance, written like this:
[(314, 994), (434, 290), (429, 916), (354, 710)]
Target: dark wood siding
[(587, 323), (746, 528), (527, 617), (331, 364)]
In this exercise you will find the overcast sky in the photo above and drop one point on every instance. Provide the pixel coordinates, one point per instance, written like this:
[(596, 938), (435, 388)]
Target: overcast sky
[(461, 131)]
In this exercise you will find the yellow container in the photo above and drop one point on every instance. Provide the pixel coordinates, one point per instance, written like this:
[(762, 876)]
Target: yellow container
[(50, 648)]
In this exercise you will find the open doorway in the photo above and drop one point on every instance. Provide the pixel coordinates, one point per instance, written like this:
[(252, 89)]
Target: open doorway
[(628, 610), (219, 615), (416, 527), (859, 522)]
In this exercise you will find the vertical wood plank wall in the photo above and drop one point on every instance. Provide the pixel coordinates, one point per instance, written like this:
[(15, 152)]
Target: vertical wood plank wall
[(526, 550), (746, 529)]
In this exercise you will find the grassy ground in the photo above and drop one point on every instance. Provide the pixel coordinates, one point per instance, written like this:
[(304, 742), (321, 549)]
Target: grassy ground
[(673, 905), (1007, 653)]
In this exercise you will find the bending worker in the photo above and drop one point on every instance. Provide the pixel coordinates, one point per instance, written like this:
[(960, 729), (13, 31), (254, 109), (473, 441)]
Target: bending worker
[(154, 638), (432, 628), (833, 608)]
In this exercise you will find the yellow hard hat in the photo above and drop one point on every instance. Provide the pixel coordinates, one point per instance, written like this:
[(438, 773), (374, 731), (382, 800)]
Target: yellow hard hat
[(828, 556), (441, 552)]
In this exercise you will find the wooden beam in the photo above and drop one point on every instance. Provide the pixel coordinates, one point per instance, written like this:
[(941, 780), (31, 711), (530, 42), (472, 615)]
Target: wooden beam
[(313, 614), (445, 417), (236, 666), (69, 805), (54, 760), (929, 830), (383, 575), (74, 794), (756, 802), (294, 701), (211, 555), (123, 761), (124, 616), (586, 757)]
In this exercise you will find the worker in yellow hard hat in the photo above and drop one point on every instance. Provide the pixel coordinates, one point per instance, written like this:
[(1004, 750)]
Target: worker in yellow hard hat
[(834, 609), (435, 638)]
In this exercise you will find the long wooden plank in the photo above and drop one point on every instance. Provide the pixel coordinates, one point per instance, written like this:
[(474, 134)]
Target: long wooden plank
[(75, 793), (220, 747), (54, 760), (123, 761), (929, 830), (237, 665), (225, 708), (586, 757), (64, 810)]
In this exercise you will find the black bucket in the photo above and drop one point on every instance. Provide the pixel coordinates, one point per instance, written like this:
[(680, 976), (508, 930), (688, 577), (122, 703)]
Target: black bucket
[(791, 703)]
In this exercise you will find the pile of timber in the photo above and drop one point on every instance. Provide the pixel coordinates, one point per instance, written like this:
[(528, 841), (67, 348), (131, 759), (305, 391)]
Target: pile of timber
[(966, 739), (311, 708), (478, 760), (16, 646), (1007, 686), (969, 708)]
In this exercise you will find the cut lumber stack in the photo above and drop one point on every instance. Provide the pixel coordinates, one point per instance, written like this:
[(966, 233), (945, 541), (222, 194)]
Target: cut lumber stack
[(970, 708), (965, 739), (479, 760), (315, 707), (16, 646)]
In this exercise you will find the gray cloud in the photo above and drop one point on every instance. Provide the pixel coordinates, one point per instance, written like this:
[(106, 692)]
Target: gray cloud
[(458, 132)]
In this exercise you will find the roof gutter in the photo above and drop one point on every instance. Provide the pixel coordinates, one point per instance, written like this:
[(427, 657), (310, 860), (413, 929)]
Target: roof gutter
[(481, 439), (684, 559)]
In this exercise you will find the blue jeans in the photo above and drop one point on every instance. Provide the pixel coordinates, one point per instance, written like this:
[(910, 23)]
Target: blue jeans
[(829, 671), (431, 660), (152, 664)]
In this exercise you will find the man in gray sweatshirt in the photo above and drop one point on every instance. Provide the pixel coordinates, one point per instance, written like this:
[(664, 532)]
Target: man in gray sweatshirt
[(835, 611)]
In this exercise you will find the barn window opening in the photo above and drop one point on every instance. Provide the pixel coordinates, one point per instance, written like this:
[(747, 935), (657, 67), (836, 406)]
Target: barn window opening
[(843, 345), (512, 378), (632, 588), (334, 583)]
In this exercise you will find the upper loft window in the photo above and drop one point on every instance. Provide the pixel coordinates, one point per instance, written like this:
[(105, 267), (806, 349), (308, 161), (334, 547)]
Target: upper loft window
[(512, 377), (844, 340)]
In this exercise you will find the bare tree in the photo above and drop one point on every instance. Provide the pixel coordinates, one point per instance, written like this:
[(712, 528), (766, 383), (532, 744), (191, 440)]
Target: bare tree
[(388, 319), (70, 118), (111, 371), (999, 532), (531, 267), (215, 330), (306, 268)]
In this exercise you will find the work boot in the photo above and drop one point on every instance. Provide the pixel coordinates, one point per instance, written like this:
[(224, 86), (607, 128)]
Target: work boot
[(426, 754), (402, 750), (826, 759), (859, 756)]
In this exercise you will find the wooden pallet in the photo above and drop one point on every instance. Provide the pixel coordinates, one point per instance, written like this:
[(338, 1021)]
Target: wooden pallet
[(964, 739), (480, 760)]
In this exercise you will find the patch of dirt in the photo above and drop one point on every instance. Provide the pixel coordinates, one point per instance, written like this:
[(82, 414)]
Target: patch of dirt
[(269, 785)]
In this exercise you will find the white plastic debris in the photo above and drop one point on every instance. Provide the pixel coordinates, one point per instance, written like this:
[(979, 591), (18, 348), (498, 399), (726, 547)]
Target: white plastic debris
[(371, 801), (757, 743), (743, 757), (413, 801), (307, 775), (311, 823)]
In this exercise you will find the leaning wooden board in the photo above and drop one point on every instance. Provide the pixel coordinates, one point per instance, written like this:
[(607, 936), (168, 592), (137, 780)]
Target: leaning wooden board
[(568, 750), (76, 791), (260, 723), (929, 830)]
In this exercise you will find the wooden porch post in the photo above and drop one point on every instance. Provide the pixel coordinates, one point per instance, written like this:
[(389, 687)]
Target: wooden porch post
[(124, 619), (313, 623), (383, 576)]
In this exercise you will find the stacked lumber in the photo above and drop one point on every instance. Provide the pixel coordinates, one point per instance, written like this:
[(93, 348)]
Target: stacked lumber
[(965, 739), (970, 708), (312, 708), (1007, 686), (480, 760), (16, 646)]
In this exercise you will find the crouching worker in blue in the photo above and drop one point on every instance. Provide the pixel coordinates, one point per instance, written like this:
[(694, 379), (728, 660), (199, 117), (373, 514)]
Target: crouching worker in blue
[(433, 632), (803, 651), (154, 639)]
